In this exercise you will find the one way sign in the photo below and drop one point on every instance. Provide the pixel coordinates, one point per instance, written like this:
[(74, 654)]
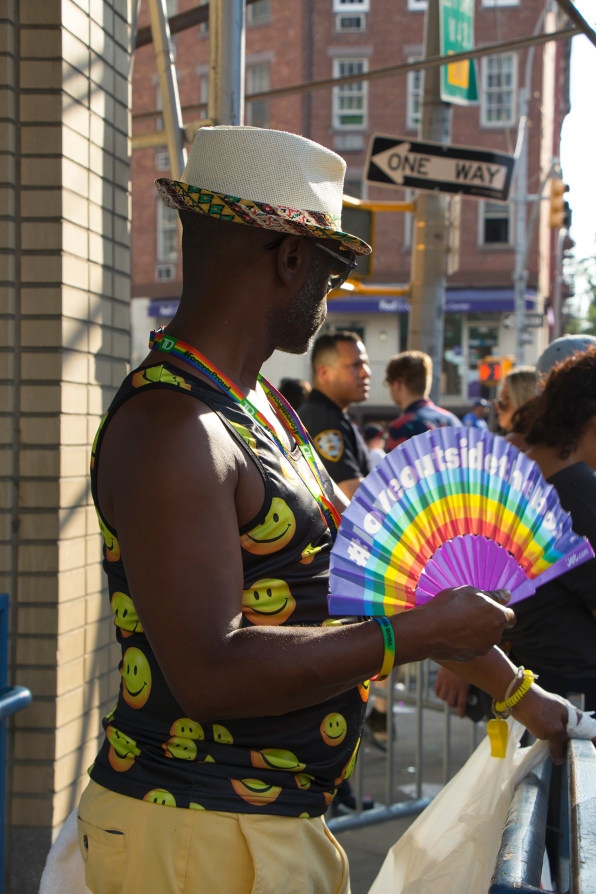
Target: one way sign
[(397, 161)]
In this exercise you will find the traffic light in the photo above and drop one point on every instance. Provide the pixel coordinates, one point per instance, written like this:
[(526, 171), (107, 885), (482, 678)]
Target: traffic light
[(557, 211), (359, 220), (492, 370)]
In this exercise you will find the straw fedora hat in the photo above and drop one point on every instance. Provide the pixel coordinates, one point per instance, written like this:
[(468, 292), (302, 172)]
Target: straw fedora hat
[(264, 178)]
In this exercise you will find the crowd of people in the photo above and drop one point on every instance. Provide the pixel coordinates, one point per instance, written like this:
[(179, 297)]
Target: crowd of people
[(242, 705)]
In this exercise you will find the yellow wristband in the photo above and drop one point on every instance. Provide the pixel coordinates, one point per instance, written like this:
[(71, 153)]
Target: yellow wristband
[(389, 644), (503, 709)]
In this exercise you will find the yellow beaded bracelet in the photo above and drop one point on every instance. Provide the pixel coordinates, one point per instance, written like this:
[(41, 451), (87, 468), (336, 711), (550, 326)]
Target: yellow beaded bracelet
[(504, 708), (389, 644)]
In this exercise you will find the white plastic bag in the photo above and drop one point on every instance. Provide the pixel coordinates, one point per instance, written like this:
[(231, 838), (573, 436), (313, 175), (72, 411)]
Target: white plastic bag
[(453, 844)]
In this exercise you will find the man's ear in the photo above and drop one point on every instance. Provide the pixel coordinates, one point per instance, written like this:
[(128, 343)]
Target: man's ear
[(293, 260)]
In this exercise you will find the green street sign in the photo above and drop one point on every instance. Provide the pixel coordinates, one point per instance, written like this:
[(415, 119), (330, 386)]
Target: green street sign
[(458, 80)]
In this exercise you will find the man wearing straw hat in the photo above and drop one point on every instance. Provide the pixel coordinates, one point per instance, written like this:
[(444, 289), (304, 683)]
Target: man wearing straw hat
[(240, 708)]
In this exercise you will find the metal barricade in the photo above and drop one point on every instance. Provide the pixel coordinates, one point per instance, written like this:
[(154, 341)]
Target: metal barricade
[(409, 688), (520, 859), (520, 862), (12, 699)]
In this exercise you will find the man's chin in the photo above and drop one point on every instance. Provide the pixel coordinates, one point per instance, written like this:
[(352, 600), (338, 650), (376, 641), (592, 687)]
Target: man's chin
[(299, 347)]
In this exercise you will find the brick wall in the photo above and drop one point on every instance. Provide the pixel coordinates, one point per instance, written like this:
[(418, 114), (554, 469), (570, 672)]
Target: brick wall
[(64, 287), (306, 29)]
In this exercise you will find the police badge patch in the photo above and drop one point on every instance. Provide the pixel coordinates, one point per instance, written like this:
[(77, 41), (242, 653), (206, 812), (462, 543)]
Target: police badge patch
[(330, 445)]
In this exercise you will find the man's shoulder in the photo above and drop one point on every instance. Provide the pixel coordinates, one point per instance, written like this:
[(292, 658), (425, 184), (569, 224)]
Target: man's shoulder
[(442, 416), (319, 411)]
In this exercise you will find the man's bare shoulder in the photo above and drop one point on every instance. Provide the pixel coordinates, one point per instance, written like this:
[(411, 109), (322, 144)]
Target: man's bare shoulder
[(169, 443)]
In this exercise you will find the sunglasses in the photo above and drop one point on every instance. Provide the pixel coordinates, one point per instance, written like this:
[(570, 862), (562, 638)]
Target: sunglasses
[(342, 265), (502, 404)]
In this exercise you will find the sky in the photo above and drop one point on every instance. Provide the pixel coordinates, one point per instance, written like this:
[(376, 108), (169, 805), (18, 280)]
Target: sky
[(578, 144)]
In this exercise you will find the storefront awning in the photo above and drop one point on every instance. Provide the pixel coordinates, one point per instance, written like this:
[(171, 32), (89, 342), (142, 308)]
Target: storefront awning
[(456, 301)]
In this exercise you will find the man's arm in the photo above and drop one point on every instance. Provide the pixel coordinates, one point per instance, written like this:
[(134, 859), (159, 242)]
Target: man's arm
[(543, 714), (176, 487)]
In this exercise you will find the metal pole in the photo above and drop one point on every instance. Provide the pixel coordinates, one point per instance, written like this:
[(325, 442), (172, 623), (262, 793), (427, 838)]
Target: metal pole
[(427, 300), (226, 66), (520, 274), (168, 86), (557, 304)]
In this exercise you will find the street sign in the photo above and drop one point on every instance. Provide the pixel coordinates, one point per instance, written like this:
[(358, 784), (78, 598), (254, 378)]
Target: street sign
[(532, 320), (398, 161), (458, 79)]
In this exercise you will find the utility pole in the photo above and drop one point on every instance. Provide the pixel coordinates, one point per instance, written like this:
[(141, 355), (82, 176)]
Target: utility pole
[(427, 296), (226, 66), (522, 233), (520, 273)]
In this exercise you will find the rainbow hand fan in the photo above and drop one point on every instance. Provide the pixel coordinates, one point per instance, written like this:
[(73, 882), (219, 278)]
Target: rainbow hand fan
[(449, 507)]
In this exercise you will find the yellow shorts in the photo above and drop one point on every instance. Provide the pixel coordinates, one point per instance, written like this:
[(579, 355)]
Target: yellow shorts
[(133, 847)]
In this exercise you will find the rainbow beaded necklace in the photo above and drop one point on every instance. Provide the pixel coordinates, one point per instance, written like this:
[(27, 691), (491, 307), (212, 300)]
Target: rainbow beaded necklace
[(288, 417)]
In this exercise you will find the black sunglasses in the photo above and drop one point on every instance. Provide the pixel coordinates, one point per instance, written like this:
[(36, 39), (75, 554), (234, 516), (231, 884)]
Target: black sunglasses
[(342, 266), (346, 262)]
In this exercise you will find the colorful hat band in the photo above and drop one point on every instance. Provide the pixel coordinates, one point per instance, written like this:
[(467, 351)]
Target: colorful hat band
[(257, 214)]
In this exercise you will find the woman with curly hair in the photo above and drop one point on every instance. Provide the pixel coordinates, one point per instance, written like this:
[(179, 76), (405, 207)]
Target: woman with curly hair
[(555, 633)]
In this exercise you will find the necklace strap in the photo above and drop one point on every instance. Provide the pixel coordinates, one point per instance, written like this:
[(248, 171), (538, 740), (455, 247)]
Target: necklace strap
[(290, 420)]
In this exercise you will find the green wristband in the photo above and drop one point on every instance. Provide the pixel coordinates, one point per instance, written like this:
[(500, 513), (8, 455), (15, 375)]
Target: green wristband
[(389, 644)]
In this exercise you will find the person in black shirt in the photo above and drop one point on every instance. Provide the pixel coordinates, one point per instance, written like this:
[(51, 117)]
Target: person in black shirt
[(341, 376)]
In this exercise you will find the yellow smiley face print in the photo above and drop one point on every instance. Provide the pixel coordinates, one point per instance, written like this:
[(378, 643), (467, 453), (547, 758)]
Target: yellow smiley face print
[(136, 678), (268, 601), (274, 533), (333, 729)]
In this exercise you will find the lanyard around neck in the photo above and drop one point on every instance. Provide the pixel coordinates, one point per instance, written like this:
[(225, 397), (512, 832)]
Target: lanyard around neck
[(159, 341)]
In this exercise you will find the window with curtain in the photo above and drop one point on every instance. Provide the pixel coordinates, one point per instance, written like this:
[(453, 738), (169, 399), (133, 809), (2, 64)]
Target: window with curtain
[(495, 223), (167, 233), (350, 101), (257, 81), (499, 86)]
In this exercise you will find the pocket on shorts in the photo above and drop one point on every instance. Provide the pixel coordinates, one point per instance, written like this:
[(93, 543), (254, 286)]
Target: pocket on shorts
[(104, 855)]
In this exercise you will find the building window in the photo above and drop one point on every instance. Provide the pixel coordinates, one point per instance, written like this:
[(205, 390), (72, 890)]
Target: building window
[(165, 272), (499, 85), (495, 223), (162, 161), (204, 26), (260, 11), (167, 233), (350, 100), (418, 4), (500, 2), (204, 93), (350, 23), (351, 5), (413, 98), (171, 8), (257, 81)]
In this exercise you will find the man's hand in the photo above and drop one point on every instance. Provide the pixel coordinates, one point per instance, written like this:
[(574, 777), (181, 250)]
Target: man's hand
[(467, 622), (452, 689)]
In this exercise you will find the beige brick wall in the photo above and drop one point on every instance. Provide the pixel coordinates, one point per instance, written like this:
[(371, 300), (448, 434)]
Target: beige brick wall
[(64, 345)]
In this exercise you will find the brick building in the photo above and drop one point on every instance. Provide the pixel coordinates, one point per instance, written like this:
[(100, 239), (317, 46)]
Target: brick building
[(303, 41)]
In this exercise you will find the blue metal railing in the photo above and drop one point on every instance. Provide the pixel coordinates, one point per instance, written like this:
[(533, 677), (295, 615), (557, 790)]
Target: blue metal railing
[(519, 863), (12, 699)]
